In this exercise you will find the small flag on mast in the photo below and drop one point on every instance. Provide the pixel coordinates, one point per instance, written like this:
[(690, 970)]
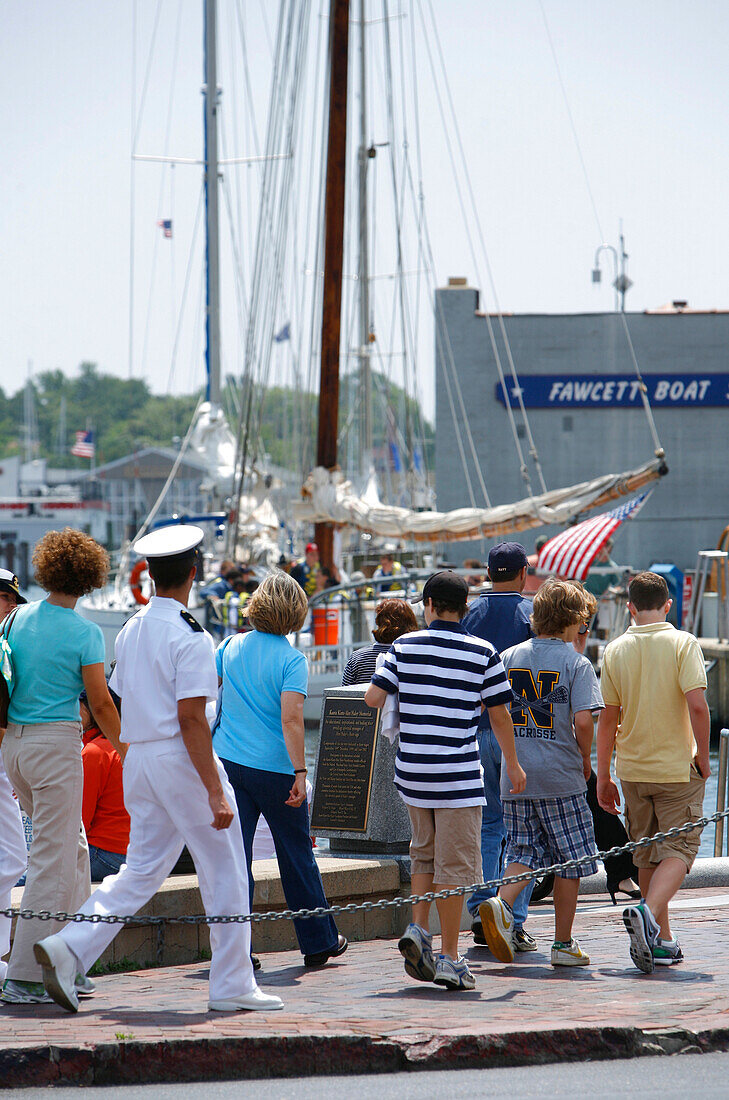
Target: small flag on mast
[(166, 227), (571, 553), (84, 445)]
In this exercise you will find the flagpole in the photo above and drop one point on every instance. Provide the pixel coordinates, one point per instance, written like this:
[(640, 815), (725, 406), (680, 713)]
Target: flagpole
[(90, 428)]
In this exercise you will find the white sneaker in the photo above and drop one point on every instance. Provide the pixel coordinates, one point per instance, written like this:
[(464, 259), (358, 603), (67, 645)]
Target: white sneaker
[(453, 974), (257, 1001), (569, 954), (60, 967), (416, 947), (497, 921)]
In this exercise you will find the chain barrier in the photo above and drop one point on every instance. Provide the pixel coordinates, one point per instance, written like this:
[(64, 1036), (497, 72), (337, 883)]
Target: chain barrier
[(363, 906)]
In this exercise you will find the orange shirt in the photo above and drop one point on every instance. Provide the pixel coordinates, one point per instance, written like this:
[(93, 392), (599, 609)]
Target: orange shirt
[(105, 818)]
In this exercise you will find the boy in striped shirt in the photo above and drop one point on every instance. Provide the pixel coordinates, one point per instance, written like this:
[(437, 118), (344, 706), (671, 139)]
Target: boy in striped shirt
[(443, 678)]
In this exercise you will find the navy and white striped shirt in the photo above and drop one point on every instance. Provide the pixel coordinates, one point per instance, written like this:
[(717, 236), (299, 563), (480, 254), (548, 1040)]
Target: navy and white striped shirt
[(441, 676), (361, 665)]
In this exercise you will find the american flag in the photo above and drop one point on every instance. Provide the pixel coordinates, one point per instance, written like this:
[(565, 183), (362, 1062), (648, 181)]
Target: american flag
[(84, 445), (571, 553), (166, 227)]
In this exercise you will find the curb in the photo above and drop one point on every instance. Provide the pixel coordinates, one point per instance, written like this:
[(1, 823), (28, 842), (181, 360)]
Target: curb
[(325, 1055)]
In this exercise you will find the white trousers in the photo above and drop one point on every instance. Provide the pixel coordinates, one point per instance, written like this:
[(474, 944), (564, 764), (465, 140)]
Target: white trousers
[(168, 807), (13, 857)]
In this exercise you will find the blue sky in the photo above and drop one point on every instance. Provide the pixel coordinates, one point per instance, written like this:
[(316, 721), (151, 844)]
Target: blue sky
[(647, 85)]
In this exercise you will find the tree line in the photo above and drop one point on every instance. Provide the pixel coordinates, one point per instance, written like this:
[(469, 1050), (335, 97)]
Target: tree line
[(125, 416)]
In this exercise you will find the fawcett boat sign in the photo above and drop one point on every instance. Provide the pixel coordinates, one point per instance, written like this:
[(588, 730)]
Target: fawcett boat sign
[(574, 391)]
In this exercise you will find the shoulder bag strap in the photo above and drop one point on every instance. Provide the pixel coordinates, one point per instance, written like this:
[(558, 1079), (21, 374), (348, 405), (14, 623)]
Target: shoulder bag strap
[(219, 709), (5, 631)]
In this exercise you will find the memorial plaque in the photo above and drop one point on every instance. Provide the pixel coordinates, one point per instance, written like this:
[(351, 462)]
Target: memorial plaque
[(345, 765)]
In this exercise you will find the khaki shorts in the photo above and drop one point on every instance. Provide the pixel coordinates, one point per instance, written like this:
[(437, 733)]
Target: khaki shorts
[(446, 844), (657, 807)]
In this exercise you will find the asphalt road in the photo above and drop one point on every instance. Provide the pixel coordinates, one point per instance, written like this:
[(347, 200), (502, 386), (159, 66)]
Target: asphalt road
[(703, 1075)]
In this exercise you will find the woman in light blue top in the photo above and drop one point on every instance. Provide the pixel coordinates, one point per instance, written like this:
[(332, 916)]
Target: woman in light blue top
[(260, 740), (56, 654)]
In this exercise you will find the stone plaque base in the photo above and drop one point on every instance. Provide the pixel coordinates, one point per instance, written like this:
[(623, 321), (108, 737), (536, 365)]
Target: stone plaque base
[(388, 826)]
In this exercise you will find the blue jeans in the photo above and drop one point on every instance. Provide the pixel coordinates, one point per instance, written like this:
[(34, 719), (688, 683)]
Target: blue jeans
[(493, 833), (259, 792), (104, 863)]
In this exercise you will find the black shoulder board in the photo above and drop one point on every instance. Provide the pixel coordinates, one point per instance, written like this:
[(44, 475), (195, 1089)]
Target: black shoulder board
[(191, 622)]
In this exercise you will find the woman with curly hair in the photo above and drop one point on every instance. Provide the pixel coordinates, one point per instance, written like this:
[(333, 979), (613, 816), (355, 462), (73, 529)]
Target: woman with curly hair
[(393, 618), (56, 655), (260, 741)]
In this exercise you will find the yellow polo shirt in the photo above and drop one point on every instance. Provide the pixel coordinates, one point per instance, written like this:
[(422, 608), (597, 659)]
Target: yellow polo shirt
[(647, 672)]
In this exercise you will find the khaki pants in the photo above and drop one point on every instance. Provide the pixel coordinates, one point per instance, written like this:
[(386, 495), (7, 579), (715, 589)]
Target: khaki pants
[(446, 843), (652, 808), (43, 763)]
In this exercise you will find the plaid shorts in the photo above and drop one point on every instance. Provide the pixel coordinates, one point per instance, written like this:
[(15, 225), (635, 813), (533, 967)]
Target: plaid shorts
[(543, 831)]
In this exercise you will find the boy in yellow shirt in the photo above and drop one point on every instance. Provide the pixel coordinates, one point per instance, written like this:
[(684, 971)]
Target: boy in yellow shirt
[(654, 683)]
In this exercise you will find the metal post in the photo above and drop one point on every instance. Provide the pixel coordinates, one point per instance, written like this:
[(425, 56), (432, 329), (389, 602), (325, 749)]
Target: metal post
[(722, 596), (333, 253), (212, 262), (721, 792), (702, 567)]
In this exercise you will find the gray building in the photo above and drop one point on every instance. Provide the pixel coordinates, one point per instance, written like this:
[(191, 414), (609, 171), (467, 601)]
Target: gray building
[(130, 486), (585, 412)]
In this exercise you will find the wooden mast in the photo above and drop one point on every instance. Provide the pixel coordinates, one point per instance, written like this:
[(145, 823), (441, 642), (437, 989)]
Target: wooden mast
[(326, 454)]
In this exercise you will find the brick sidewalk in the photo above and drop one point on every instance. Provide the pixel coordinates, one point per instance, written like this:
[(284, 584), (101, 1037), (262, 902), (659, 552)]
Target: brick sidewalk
[(363, 1013)]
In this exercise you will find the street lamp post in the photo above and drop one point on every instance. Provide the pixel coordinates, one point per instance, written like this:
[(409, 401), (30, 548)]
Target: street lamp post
[(621, 282)]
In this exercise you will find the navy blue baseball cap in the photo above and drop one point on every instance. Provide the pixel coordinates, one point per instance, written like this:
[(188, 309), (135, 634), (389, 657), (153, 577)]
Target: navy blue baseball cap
[(506, 557), (443, 586)]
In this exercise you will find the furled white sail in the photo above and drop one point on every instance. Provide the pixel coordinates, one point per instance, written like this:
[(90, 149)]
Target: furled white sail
[(213, 442), (330, 498)]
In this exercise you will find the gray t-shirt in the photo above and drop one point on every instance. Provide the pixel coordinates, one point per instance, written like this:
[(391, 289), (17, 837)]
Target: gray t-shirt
[(550, 682)]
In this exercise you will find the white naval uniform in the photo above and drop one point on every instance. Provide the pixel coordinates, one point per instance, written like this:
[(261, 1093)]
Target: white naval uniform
[(160, 660), (13, 857)]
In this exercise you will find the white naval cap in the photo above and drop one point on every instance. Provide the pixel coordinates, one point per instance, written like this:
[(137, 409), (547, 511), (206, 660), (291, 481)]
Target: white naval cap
[(9, 583), (168, 541)]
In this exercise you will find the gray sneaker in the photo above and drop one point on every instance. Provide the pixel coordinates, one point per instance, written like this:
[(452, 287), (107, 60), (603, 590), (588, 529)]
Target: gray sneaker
[(416, 947), (643, 931), (24, 993), (667, 952), (453, 975), (84, 986)]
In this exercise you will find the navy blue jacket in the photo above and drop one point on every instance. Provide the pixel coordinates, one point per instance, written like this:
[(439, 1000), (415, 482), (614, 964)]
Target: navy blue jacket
[(501, 618)]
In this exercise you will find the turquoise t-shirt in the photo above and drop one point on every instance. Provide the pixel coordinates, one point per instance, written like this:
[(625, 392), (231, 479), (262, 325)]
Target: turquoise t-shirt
[(255, 668), (50, 646)]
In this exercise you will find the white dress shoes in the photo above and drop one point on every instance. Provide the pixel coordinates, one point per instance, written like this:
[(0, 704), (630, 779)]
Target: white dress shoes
[(60, 968), (257, 1001)]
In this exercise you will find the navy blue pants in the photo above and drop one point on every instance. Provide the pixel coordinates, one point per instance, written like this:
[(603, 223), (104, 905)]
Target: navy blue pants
[(104, 863), (259, 792)]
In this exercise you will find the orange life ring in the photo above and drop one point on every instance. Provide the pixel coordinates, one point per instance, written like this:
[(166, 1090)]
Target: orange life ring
[(134, 579)]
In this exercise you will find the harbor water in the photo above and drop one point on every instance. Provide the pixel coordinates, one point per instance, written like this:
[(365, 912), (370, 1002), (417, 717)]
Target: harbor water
[(707, 837)]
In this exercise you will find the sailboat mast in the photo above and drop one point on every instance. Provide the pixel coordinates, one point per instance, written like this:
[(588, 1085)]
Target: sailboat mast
[(363, 274), (212, 262), (333, 253)]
